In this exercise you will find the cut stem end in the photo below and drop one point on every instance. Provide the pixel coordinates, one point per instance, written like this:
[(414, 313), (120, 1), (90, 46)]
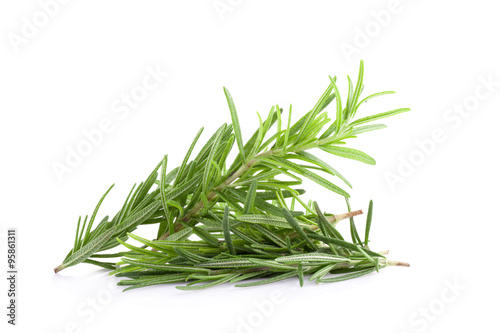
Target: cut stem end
[(397, 263), (59, 268)]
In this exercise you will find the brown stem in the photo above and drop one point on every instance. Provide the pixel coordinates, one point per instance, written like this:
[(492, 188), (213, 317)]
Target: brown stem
[(332, 219), (212, 195), (397, 263), (337, 218)]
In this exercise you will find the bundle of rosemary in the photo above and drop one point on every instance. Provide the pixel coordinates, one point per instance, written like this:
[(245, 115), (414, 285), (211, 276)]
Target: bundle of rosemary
[(248, 217)]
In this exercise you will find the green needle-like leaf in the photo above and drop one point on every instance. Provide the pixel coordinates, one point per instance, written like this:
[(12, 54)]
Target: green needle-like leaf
[(180, 172), (92, 218), (300, 271), (236, 123), (208, 285), (166, 268), (373, 96), (132, 221), (298, 229), (351, 153), (86, 251), (325, 166), (368, 223), (250, 199), (227, 232), (162, 279), (162, 193), (322, 271), (227, 263), (379, 116), (270, 220), (206, 236), (354, 232), (276, 278), (358, 90), (347, 276), (272, 264), (312, 257), (342, 243), (339, 118), (209, 167), (368, 128)]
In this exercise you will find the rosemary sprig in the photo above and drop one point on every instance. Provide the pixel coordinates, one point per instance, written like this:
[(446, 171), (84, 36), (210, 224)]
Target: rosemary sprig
[(243, 212)]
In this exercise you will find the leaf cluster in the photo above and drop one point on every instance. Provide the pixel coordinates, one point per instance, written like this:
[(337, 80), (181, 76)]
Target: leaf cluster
[(248, 216)]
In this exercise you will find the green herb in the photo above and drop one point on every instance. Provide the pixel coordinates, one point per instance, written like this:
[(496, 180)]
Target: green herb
[(245, 213)]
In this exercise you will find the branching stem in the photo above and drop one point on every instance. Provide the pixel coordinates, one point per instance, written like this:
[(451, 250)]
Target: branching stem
[(212, 195), (238, 173)]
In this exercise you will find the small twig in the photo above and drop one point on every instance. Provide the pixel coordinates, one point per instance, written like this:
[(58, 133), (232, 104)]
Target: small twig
[(337, 218), (332, 219), (396, 263), (212, 195)]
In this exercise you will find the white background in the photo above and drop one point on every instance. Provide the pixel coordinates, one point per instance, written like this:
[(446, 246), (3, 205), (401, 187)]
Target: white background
[(67, 76)]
